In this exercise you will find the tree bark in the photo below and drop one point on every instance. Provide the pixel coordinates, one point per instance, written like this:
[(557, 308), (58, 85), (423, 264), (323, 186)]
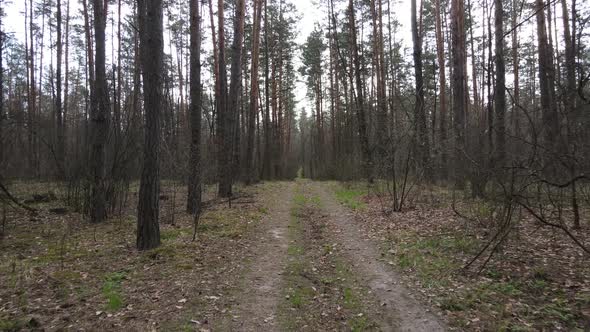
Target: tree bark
[(420, 131), (194, 182), (459, 88), (226, 110), (546, 83), (250, 172), (381, 129), (223, 158), (99, 117), (1, 90), (59, 125), (362, 122), (32, 98), (66, 85), (440, 56), (151, 56), (515, 119), (500, 88), (266, 167)]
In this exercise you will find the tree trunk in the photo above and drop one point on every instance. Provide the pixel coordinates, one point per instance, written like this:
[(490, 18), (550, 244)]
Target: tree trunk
[(381, 130), (227, 112), (515, 119), (362, 123), (440, 55), (420, 131), (571, 110), (500, 88), (215, 71), (151, 56), (546, 84), (194, 182), (118, 102), (223, 133), (458, 86), (253, 109), (60, 150), (267, 139), (66, 85), (1, 91), (32, 98), (99, 118)]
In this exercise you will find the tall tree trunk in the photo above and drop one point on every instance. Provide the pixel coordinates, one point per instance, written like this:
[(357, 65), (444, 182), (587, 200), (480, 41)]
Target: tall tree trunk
[(440, 55), (66, 84), (253, 109), (459, 88), (60, 151), (32, 98), (99, 117), (1, 90), (381, 130), (573, 115), (515, 119), (227, 106), (216, 71), (194, 182), (570, 66), (151, 56), (267, 139), (89, 49), (420, 131), (362, 122), (546, 83), (223, 159), (118, 101), (500, 88)]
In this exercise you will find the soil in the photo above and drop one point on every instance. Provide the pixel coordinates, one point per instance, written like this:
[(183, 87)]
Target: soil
[(261, 286), (403, 312)]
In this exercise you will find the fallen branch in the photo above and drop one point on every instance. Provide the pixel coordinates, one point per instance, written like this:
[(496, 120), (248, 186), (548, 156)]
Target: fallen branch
[(14, 200)]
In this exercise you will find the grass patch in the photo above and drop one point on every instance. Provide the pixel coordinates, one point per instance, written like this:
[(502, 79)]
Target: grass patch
[(227, 223), (350, 197), (558, 309), (358, 324), (173, 234), (111, 290), (431, 257), (10, 325)]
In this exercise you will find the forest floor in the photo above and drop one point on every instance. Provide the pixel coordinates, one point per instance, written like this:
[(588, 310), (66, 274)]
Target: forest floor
[(300, 255)]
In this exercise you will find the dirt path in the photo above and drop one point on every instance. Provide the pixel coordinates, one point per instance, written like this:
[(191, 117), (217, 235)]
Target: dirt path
[(404, 313), (257, 307)]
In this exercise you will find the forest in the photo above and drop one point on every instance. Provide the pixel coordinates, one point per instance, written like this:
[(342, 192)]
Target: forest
[(294, 165)]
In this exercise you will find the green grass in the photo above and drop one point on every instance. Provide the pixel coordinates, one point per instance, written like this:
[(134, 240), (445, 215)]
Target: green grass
[(558, 309), (227, 223), (359, 324), (10, 325), (431, 257), (111, 290), (350, 197), (173, 234)]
